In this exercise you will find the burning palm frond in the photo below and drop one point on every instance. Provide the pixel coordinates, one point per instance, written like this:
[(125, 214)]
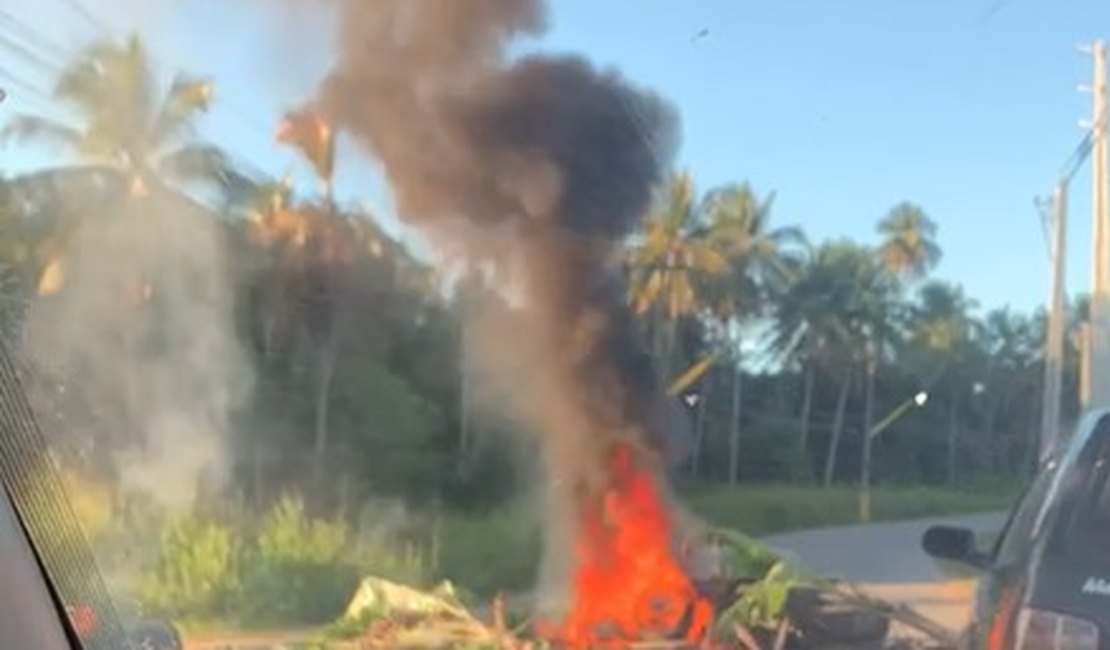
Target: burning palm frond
[(692, 374), (313, 137), (53, 276)]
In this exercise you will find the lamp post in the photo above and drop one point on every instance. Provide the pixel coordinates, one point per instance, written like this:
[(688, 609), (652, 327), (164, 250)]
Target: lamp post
[(918, 400)]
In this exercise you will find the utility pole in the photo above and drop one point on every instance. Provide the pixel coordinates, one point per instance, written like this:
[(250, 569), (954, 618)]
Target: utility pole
[(1054, 343), (1097, 356), (868, 438)]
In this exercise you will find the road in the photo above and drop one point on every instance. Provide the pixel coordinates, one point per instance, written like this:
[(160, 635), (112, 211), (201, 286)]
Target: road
[(888, 561), (875, 553)]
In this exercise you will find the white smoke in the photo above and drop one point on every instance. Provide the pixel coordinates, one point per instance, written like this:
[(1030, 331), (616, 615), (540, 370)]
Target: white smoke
[(141, 335)]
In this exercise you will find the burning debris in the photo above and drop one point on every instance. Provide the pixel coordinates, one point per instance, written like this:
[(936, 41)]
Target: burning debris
[(628, 585), (538, 167), (547, 160)]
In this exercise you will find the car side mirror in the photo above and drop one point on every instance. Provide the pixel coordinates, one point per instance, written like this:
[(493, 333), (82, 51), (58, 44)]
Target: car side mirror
[(954, 544)]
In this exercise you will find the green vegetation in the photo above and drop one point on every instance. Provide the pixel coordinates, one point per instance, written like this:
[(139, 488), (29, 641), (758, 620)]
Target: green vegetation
[(286, 570), (354, 342), (290, 569)]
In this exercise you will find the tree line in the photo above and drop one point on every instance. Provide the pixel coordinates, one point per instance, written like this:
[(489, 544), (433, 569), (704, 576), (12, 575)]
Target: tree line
[(782, 351)]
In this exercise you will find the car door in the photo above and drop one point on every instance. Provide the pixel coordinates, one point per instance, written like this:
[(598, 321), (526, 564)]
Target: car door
[(998, 593)]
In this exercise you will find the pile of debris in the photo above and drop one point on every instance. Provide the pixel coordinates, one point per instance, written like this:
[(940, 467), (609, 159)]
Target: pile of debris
[(773, 613), (391, 615)]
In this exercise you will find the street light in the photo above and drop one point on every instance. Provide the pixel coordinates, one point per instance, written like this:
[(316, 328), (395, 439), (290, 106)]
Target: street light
[(917, 400)]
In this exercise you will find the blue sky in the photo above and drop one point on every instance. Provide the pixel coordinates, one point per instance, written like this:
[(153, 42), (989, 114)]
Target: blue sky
[(842, 107)]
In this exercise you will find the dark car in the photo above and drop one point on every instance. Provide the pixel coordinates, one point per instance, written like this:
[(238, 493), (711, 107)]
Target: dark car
[(1046, 581), (145, 634)]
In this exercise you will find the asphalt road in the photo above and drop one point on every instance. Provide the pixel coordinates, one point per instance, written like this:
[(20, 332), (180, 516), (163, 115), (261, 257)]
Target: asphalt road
[(875, 553), (887, 561)]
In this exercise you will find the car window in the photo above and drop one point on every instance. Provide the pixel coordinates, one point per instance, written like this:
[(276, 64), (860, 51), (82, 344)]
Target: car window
[(1088, 533), (1019, 528)]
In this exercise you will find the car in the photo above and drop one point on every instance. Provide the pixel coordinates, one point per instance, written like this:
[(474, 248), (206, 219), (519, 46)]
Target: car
[(1045, 583), (142, 634)]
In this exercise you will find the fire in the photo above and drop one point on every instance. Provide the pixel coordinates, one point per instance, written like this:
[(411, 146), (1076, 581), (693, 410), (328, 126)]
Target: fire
[(628, 585)]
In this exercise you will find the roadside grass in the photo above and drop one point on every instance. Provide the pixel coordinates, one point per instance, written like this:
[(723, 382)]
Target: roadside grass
[(769, 509)]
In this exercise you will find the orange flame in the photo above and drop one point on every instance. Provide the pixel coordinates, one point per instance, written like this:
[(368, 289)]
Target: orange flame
[(628, 586)]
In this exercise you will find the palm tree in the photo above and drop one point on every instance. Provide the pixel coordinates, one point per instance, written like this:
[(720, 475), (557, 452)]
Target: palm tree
[(1005, 352), (838, 302), (758, 260), (909, 249), (317, 245), (126, 124), (669, 262), (942, 324), (127, 127)]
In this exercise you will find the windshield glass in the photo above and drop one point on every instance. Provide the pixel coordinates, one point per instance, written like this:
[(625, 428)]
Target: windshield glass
[(567, 322)]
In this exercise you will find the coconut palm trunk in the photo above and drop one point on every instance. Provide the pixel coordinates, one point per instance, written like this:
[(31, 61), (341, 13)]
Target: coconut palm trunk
[(953, 434), (805, 415), (837, 427), (734, 424), (699, 434), (325, 349)]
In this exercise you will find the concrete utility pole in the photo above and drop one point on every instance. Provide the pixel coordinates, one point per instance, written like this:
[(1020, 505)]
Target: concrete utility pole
[(1054, 343), (1097, 357)]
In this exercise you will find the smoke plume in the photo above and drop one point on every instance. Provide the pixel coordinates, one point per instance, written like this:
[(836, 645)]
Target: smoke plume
[(139, 337), (539, 164)]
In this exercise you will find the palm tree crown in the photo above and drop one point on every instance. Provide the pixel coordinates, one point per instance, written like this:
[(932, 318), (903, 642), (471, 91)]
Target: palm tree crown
[(909, 247), (125, 122)]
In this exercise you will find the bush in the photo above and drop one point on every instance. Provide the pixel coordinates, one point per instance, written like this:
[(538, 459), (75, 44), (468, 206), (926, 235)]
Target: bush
[(498, 551), (195, 574), (296, 569), (289, 570), (304, 571)]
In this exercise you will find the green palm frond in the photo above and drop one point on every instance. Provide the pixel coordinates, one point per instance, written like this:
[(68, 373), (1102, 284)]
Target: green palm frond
[(645, 291), (33, 128), (80, 84), (679, 207), (909, 247), (202, 164)]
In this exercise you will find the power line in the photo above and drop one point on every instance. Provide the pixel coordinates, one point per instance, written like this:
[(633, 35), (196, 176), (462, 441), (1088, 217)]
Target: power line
[(1044, 210), (990, 12), (158, 61), (89, 17), (42, 42), (25, 53), (29, 33), (19, 82)]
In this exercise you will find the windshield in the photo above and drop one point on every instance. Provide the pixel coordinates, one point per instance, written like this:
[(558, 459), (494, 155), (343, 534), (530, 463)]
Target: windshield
[(566, 321)]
